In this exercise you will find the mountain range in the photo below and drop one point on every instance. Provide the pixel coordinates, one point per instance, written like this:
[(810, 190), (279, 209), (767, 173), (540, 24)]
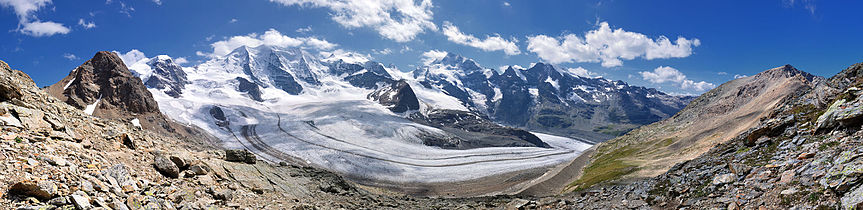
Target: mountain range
[(267, 99), (159, 135), (541, 98)]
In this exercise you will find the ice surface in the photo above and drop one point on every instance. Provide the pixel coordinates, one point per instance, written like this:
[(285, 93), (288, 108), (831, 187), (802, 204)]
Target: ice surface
[(332, 125)]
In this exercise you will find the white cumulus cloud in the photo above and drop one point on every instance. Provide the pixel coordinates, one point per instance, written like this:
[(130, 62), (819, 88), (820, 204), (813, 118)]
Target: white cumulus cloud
[(85, 24), (667, 74), (398, 20), (70, 56), (610, 47), (28, 23), (432, 55), (307, 29), (490, 43), (271, 37), (131, 57), (181, 60), (581, 72), (46, 28)]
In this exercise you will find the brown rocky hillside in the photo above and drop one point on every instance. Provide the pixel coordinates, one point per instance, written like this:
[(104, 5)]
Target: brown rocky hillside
[(713, 118)]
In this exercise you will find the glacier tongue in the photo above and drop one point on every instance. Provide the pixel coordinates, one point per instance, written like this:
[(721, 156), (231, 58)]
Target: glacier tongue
[(330, 123)]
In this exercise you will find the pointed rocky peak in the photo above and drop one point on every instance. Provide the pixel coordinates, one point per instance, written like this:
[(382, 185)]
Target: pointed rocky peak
[(240, 52), (103, 86), (398, 97), (452, 59), (785, 71), (513, 73), (166, 75)]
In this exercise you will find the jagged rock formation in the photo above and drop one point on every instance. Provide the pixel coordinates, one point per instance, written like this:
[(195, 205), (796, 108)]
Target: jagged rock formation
[(398, 96), (104, 87), (167, 76), (547, 99), (105, 84), (713, 118)]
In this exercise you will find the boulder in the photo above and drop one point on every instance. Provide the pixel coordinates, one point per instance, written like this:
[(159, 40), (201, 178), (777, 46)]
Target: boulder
[(240, 155), (180, 162), (8, 89), (126, 140), (853, 199), (81, 201), (42, 190), (166, 166), (724, 179), (199, 170), (841, 113)]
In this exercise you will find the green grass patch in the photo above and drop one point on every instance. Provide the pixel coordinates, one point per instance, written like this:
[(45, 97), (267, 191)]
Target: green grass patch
[(666, 142), (609, 166), (742, 150)]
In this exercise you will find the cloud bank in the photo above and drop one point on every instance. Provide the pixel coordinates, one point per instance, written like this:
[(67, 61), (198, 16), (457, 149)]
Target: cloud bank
[(610, 47)]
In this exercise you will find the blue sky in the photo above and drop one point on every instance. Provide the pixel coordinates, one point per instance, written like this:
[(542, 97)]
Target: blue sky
[(708, 42)]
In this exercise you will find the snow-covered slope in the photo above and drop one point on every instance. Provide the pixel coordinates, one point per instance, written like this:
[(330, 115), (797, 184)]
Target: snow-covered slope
[(286, 104), (545, 98)]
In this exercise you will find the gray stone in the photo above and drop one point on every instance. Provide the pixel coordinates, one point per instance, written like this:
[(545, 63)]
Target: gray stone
[(791, 191), (118, 205), (225, 195), (43, 190), (853, 199), (517, 203), (59, 201), (35, 207), (240, 156), (166, 166), (81, 202), (199, 170), (180, 162), (724, 179), (57, 161)]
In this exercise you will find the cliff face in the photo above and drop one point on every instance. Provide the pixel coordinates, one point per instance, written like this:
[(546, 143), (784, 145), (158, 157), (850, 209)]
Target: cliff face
[(106, 83)]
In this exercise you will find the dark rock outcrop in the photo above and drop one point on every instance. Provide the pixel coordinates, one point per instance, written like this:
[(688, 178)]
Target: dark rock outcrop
[(8, 89), (250, 88), (398, 96), (104, 87), (239, 155), (105, 79)]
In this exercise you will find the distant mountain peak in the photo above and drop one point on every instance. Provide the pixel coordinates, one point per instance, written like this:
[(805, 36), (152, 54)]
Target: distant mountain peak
[(785, 71)]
